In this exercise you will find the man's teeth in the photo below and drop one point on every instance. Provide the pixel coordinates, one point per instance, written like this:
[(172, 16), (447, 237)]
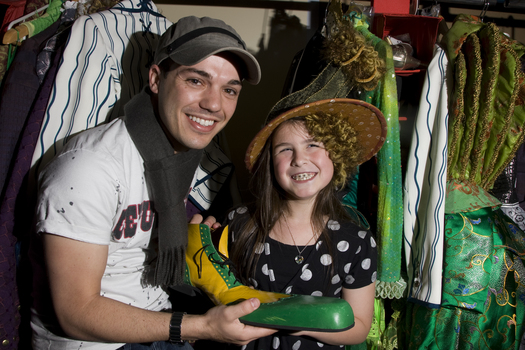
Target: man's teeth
[(302, 177), (202, 122)]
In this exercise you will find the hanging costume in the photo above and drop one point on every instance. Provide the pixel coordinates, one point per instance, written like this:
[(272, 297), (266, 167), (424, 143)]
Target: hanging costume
[(7, 51), (425, 187), (14, 226), (390, 284), (105, 63), (480, 302)]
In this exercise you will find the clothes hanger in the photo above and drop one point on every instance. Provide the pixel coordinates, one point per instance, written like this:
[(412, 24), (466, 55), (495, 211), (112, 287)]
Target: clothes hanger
[(145, 6), (414, 7), (484, 10), (14, 35), (18, 33), (23, 18)]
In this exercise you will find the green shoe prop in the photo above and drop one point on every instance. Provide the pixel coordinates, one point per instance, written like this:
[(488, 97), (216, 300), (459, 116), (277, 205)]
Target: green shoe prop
[(207, 269), (303, 312)]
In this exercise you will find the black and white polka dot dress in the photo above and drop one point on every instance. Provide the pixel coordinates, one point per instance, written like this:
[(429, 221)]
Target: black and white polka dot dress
[(352, 249)]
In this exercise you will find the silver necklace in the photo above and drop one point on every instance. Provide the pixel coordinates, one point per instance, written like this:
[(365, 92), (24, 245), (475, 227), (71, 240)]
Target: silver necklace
[(299, 258)]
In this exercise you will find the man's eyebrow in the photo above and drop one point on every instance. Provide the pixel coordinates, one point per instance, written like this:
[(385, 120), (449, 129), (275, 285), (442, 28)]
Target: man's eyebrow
[(197, 71), (235, 82), (207, 75)]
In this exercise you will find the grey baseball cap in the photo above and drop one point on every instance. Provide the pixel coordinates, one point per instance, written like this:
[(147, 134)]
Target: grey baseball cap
[(193, 39)]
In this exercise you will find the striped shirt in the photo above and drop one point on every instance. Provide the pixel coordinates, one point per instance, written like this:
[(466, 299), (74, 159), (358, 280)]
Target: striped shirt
[(425, 188), (105, 63)]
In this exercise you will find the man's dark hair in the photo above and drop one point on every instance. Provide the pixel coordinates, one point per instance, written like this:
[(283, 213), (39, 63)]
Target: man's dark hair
[(166, 66)]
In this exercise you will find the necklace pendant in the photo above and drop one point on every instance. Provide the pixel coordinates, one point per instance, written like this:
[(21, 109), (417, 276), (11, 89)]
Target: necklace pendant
[(299, 259)]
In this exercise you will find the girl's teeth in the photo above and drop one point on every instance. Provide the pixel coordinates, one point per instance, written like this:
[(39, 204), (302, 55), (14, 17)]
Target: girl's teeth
[(302, 177), (202, 122)]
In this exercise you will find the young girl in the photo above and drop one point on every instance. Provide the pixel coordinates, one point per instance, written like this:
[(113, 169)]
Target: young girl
[(297, 238)]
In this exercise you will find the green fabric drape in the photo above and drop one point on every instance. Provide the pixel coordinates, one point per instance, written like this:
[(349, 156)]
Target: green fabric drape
[(483, 290), (390, 202)]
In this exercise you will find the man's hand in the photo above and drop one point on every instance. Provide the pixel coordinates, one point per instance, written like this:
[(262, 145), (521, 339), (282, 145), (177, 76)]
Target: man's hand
[(210, 221), (221, 323)]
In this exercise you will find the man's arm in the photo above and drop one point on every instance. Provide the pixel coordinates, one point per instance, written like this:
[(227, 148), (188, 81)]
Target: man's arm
[(75, 271)]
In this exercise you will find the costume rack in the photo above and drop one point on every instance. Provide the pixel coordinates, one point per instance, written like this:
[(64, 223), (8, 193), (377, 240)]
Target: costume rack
[(500, 6), (494, 6)]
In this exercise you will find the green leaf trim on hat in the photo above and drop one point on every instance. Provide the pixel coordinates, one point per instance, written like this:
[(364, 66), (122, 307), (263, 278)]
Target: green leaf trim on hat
[(330, 83)]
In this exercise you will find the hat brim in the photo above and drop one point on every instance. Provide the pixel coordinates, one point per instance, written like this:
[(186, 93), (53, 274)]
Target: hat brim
[(366, 119), (190, 55)]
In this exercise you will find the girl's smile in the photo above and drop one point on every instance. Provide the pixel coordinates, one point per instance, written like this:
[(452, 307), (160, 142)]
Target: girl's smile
[(303, 176)]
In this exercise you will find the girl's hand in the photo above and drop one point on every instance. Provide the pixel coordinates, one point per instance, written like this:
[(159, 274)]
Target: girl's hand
[(362, 302), (210, 221)]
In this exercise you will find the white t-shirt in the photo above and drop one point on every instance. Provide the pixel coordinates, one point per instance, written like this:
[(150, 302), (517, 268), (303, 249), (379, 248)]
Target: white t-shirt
[(95, 192)]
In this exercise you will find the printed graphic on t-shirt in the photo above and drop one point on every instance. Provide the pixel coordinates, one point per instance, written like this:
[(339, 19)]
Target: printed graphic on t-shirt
[(135, 215)]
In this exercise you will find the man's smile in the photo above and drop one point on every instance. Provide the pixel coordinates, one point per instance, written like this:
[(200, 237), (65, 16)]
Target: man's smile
[(203, 122)]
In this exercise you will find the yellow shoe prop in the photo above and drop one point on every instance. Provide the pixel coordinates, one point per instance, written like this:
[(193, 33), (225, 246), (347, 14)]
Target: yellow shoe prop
[(208, 269)]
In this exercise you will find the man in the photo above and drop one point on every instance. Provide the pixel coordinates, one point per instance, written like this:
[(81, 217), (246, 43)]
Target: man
[(111, 216)]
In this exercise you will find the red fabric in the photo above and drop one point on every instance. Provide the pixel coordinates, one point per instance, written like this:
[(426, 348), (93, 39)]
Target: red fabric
[(14, 11), (400, 7)]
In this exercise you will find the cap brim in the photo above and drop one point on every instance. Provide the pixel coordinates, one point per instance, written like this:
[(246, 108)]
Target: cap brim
[(366, 119), (190, 56)]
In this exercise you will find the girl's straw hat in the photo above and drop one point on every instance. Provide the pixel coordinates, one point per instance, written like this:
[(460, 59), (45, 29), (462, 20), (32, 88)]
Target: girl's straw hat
[(366, 120), (341, 62)]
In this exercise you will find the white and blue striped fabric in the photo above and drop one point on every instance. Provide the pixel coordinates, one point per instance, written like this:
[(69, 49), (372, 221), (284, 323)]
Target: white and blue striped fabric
[(105, 63), (214, 170), (425, 188)]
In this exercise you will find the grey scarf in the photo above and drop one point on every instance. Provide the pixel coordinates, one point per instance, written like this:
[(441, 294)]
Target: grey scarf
[(168, 177)]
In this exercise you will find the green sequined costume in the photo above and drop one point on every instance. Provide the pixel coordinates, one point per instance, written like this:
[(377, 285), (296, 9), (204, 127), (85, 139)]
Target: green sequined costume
[(483, 293)]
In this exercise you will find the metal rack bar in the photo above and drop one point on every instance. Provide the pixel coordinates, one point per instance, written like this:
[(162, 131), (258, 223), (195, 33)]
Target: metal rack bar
[(470, 2), (279, 5), (319, 7), (510, 6)]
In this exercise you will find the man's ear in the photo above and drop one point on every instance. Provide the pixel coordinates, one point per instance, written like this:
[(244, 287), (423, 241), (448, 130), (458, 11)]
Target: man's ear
[(154, 78)]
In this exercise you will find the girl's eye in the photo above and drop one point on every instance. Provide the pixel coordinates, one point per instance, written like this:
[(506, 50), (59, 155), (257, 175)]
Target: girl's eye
[(314, 145), (281, 150)]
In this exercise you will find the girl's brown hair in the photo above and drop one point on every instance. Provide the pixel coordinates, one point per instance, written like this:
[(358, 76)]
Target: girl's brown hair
[(270, 199)]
